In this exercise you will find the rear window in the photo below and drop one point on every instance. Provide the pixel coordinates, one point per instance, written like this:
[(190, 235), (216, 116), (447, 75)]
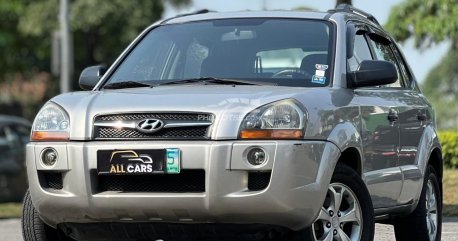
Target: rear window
[(287, 52)]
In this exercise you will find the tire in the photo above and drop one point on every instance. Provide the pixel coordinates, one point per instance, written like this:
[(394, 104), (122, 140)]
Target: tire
[(328, 224), (418, 225), (33, 228)]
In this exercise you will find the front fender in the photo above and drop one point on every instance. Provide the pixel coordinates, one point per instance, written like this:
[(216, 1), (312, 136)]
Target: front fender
[(345, 135)]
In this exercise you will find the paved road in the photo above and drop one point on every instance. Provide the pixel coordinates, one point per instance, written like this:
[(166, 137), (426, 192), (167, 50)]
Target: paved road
[(10, 231)]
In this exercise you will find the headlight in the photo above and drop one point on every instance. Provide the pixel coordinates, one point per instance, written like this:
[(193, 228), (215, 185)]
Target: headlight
[(51, 124), (279, 120)]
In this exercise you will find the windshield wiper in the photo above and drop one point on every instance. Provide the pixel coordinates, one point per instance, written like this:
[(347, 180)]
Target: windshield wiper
[(126, 84), (214, 80)]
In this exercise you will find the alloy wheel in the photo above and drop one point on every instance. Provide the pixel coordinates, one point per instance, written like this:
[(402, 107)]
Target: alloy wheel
[(340, 218), (431, 211)]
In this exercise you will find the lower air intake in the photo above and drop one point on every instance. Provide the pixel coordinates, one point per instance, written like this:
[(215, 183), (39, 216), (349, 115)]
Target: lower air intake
[(188, 181)]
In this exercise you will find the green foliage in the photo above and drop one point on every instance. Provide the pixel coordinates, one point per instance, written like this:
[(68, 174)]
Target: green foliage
[(428, 22), (449, 142), (15, 49), (441, 88), (101, 30)]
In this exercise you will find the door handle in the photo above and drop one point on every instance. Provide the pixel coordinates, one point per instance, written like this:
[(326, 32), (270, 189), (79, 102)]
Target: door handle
[(421, 117), (393, 116)]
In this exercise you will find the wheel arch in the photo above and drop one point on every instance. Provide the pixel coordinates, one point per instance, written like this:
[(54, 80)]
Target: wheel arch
[(430, 152), (352, 158), (347, 138), (436, 161)]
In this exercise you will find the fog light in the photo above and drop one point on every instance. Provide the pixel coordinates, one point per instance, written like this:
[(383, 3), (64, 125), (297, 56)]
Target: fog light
[(49, 156), (256, 156)]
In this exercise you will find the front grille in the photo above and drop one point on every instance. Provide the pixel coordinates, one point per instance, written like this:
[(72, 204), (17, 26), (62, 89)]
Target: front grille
[(183, 132), (188, 181), (161, 116), (258, 181), (198, 132), (51, 180)]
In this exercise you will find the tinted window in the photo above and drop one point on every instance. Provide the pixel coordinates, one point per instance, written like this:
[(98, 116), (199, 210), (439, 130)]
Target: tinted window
[(361, 52), (23, 132), (4, 143), (383, 51), (9, 138), (283, 51), (406, 75)]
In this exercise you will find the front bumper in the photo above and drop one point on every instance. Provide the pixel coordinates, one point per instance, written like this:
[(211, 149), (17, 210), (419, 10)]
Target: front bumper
[(300, 174)]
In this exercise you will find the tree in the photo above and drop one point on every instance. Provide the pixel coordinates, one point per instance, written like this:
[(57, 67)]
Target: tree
[(101, 31), (15, 49), (428, 23), (441, 87)]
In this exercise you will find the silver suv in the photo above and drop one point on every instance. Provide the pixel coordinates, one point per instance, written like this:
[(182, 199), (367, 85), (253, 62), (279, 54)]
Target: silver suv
[(240, 126)]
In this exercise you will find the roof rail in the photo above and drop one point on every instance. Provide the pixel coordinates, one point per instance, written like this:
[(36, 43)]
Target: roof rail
[(201, 11), (347, 8)]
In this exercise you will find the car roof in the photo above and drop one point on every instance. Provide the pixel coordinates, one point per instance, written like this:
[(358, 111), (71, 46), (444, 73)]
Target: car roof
[(247, 14), (13, 119)]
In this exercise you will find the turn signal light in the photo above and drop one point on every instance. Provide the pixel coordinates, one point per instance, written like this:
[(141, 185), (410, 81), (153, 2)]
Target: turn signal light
[(271, 134), (49, 136)]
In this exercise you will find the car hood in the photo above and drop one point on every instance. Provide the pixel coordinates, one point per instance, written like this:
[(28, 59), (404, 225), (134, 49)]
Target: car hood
[(228, 103)]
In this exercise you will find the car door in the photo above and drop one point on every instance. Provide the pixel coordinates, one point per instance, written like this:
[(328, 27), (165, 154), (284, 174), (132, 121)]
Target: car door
[(379, 130), (411, 112), (414, 116)]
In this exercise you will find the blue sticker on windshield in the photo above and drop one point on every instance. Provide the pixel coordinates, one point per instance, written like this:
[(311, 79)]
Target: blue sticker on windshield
[(318, 79)]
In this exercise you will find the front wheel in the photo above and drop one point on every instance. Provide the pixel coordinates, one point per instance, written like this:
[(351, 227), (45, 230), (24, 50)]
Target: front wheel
[(347, 213), (33, 228)]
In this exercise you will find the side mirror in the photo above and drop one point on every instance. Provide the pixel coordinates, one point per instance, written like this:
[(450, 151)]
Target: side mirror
[(373, 73), (91, 76)]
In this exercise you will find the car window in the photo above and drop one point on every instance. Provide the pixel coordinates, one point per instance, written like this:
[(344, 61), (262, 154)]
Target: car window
[(288, 52), (273, 61), (14, 140), (406, 75), (23, 132), (195, 56), (4, 143), (147, 53), (361, 51), (9, 138), (384, 52)]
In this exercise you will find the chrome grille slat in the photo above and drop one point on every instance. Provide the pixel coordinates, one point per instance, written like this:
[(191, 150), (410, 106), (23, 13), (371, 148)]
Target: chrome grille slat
[(196, 132), (161, 116)]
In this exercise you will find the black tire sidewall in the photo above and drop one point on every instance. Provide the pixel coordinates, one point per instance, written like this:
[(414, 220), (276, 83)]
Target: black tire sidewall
[(350, 178), (414, 227), (33, 228), (438, 193)]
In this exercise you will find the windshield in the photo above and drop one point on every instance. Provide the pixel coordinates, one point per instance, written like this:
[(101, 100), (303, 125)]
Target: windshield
[(286, 52)]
